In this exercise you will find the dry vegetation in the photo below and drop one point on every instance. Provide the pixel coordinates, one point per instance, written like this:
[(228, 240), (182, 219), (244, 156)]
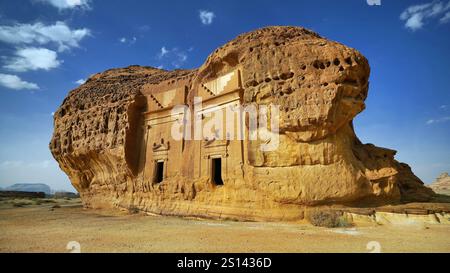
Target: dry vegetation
[(327, 218)]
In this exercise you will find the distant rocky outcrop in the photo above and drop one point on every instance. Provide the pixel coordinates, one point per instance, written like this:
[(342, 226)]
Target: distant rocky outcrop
[(22, 194), (29, 187), (65, 194), (113, 137), (442, 184)]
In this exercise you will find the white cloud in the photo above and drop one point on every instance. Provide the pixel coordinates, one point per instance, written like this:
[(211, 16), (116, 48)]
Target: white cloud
[(175, 56), (206, 17), (443, 107), (164, 52), (438, 120), (130, 41), (80, 81), (14, 82), (58, 33), (68, 4), (32, 58), (416, 16)]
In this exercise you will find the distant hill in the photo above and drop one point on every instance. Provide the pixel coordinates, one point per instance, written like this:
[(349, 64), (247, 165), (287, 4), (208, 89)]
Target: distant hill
[(442, 184), (29, 187)]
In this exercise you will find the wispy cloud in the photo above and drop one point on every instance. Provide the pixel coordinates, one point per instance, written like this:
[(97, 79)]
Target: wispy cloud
[(130, 41), (67, 4), (59, 33), (32, 58), (144, 28), (175, 56), (446, 18), (15, 82), (19, 164), (164, 51), (417, 16), (11, 164), (206, 17), (80, 81), (438, 120)]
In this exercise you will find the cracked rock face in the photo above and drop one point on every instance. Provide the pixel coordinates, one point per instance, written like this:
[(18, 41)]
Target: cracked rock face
[(100, 138)]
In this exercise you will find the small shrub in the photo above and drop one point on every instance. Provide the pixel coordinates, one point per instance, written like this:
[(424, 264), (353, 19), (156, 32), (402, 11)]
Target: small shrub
[(133, 210), (327, 218), (56, 206), (48, 201), (19, 204)]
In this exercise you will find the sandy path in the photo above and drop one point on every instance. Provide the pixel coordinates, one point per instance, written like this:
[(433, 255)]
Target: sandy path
[(39, 229)]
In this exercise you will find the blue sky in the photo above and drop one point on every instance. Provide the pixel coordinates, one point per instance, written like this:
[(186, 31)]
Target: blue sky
[(47, 47)]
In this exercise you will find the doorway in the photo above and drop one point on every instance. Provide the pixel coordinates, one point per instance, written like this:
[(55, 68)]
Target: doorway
[(159, 172), (216, 172)]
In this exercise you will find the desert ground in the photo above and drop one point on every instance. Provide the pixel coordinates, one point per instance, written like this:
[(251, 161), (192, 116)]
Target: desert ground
[(50, 225)]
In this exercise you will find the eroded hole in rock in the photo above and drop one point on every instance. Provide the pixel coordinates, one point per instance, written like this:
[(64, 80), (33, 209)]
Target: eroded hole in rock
[(348, 60), (316, 64), (350, 82), (336, 62), (286, 76), (251, 83)]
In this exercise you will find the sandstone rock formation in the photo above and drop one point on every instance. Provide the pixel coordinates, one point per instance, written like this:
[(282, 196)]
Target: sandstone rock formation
[(442, 184), (113, 134)]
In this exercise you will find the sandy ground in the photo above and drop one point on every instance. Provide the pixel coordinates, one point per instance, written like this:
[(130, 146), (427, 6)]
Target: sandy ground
[(41, 228)]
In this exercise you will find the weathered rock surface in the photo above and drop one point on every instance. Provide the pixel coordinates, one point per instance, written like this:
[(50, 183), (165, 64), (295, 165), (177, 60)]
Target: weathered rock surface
[(107, 141), (442, 184)]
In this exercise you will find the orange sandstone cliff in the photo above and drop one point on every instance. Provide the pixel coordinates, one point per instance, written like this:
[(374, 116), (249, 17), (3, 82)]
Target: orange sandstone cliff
[(113, 135)]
